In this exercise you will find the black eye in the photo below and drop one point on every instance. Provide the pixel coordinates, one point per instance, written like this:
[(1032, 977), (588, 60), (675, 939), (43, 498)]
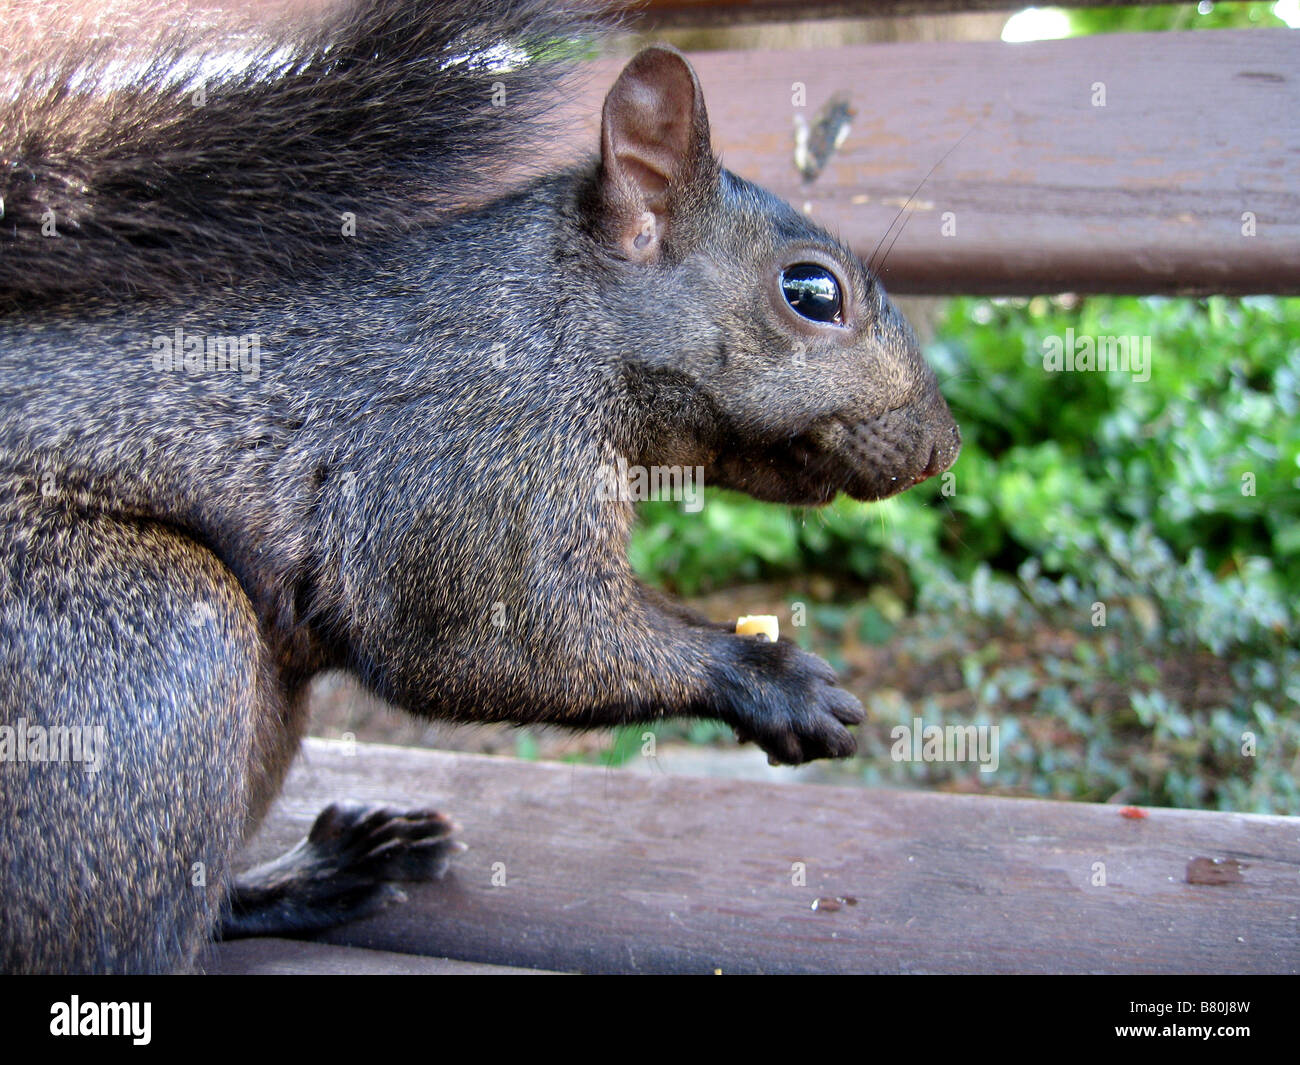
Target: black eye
[(812, 291)]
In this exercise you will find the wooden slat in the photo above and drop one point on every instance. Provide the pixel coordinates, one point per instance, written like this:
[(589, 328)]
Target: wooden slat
[(609, 871), (288, 957), (1050, 193), (731, 12)]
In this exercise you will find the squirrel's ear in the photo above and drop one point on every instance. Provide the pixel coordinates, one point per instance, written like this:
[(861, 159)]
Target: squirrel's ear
[(654, 149)]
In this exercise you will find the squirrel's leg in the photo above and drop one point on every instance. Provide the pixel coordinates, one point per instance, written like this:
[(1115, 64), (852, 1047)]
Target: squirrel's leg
[(134, 656), (633, 656), (665, 604)]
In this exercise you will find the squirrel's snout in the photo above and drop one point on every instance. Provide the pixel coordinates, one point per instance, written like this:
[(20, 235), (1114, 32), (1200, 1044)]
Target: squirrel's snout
[(945, 450)]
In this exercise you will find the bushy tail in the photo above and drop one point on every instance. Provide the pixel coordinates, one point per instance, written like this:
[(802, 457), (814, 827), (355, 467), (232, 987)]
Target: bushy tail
[(175, 151)]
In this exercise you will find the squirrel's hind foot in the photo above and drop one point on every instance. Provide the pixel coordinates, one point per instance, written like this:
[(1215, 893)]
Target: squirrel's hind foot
[(347, 867)]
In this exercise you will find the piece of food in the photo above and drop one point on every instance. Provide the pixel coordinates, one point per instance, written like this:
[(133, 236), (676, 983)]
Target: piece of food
[(758, 625)]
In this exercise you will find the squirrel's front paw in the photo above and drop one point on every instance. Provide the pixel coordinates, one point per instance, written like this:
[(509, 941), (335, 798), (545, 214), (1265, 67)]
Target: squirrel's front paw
[(786, 701)]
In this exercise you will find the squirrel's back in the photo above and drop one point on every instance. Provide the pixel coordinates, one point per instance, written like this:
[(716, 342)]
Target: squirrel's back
[(141, 153)]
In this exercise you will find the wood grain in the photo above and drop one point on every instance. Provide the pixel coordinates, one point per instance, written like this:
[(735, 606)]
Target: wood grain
[(287, 957), (608, 871)]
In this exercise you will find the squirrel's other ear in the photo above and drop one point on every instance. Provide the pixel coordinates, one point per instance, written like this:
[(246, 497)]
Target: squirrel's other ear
[(654, 149)]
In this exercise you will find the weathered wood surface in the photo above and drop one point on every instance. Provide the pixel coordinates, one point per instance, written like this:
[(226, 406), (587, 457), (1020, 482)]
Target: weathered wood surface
[(609, 871), (288, 957), (1049, 193), (732, 12)]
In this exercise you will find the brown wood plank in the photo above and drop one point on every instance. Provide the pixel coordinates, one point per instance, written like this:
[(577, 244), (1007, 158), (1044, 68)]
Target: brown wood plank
[(610, 871), (290, 957), (731, 12), (1049, 193)]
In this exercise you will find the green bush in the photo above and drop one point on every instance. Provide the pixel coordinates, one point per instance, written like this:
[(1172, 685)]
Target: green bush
[(1172, 17), (1207, 450)]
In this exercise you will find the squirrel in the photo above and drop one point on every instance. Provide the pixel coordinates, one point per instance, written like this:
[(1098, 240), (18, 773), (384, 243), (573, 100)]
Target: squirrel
[(277, 396)]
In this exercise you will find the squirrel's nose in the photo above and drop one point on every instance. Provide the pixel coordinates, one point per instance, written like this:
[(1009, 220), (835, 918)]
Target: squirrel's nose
[(945, 451)]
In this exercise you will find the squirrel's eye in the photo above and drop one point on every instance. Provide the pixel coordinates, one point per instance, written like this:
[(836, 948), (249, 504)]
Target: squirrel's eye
[(813, 292)]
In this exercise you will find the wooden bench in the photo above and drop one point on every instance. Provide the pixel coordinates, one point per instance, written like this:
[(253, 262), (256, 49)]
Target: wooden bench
[(608, 871), (614, 871)]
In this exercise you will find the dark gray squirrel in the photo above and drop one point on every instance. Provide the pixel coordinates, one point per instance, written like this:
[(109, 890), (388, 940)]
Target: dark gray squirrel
[(395, 475)]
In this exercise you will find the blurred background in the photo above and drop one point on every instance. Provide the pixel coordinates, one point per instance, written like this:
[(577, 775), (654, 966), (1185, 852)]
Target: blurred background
[(1172, 504)]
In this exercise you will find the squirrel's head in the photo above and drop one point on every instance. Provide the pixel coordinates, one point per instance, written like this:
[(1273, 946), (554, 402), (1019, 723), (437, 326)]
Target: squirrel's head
[(751, 333)]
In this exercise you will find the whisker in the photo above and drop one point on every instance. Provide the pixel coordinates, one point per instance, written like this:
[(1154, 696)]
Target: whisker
[(870, 267)]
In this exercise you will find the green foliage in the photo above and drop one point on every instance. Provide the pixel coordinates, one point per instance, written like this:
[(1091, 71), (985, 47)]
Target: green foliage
[(625, 744), (732, 539), (1207, 451), (1171, 17), (1182, 692)]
